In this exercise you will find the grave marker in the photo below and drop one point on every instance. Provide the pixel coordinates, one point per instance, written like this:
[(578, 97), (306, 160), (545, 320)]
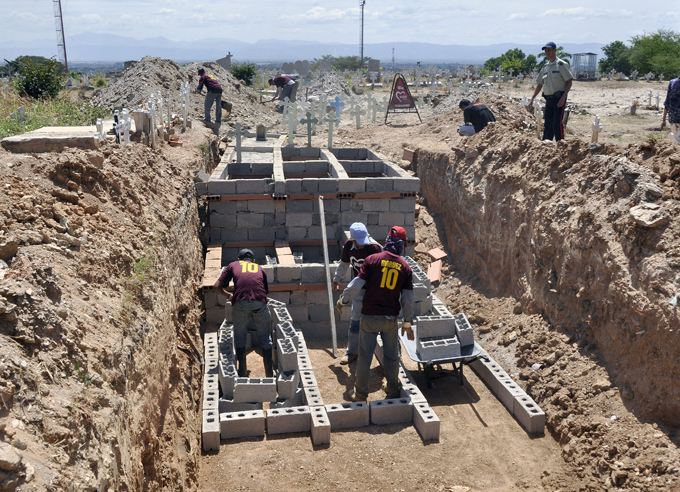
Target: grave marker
[(309, 121), (261, 133), (331, 122), (357, 112), (597, 128), (237, 133), (338, 105)]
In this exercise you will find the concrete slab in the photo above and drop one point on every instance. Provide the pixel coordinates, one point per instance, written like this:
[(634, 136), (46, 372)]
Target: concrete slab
[(54, 138)]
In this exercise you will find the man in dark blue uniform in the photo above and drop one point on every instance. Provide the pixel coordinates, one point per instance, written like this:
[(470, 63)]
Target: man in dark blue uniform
[(476, 115)]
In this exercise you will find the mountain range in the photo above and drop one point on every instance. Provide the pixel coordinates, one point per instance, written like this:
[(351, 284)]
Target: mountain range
[(93, 47)]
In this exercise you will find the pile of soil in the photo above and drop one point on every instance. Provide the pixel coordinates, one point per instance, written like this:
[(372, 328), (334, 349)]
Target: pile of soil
[(99, 316), (150, 75), (328, 85)]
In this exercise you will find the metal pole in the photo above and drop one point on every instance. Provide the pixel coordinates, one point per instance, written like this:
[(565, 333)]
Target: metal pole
[(363, 2), (328, 276)]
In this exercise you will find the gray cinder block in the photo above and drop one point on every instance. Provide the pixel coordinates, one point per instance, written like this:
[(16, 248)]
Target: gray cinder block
[(313, 396), (435, 326), (250, 390), (347, 415), (287, 383), (250, 186), (508, 391), (211, 366), (287, 420), (222, 187), (352, 185), (420, 292), (211, 382), (436, 348), (287, 354), (210, 431), (304, 362), (321, 426), (464, 330), (286, 274), (212, 352), (406, 185), (281, 315), (490, 372), (426, 421), (210, 339), (405, 376), (391, 411), (227, 377), (313, 273), (421, 308), (248, 423), (307, 379), (529, 414), (413, 392), (297, 400), (287, 330), (211, 400), (298, 220), (228, 406)]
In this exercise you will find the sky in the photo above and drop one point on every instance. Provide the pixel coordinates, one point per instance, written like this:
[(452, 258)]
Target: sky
[(433, 21)]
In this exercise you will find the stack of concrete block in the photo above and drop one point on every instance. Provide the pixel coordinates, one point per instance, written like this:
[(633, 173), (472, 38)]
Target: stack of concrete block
[(287, 330), (391, 411), (348, 415), (247, 423), (227, 359), (464, 330), (513, 397), (286, 355), (210, 430), (288, 420), (287, 384), (419, 276)]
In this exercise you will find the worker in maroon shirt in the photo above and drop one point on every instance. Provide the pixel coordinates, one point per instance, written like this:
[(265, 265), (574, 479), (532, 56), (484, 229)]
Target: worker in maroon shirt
[(388, 281), (358, 247), (286, 87), (214, 95), (249, 302)]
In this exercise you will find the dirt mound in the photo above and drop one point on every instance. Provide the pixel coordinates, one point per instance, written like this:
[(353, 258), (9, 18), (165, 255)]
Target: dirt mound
[(98, 317), (327, 85), (150, 75)]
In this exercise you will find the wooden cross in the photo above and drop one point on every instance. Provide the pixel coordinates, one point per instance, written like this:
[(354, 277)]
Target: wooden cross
[(338, 105), (309, 121), (237, 132), (331, 121)]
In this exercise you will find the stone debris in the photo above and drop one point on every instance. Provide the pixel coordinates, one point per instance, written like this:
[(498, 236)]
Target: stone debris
[(327, 84), (649, 215)]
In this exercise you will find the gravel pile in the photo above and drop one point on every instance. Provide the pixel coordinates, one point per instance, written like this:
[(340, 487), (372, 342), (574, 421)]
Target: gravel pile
[(150, 75), (329, 84)]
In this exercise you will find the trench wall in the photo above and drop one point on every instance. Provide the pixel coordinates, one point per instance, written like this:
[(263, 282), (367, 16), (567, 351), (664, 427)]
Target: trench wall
[(588, 272)]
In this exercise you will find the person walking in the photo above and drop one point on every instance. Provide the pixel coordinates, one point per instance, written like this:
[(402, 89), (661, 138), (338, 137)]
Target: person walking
[(213, 96), (248, 303), (555, 80), (358, 247), (388, 281), (671, 108)]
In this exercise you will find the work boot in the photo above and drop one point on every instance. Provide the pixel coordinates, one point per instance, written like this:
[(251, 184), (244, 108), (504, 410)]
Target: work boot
[(390, 394), (357, 397), (242, 365), (348, 358), (268, 362)]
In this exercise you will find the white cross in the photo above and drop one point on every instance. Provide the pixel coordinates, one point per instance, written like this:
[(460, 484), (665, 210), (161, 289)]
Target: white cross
[(237, 133), (357, 112), (152, 115), (331, 121), (286, 105), (100, 135), (597, 128), (338, 105), (649, 103), (658, 96), (292, 125), (169, 101), (159, 99), (309, 121), (372, 107)]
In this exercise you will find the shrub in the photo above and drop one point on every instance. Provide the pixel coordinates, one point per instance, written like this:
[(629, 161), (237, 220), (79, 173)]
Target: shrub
[(99, 82), (40, 80), (244, 72)]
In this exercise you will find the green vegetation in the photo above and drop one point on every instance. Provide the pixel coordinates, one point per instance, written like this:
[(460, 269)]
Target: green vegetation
[(657, 52), (16, 66), (515, 59), (43, 112), (40, 79), (352, 63), (143, 271), (85, 377), (99, 81), (245, 72)]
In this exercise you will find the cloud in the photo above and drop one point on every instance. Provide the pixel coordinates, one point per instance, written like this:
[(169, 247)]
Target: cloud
[(167, 11), (517, 17), (91, 18), (23, 16), (583, 12)]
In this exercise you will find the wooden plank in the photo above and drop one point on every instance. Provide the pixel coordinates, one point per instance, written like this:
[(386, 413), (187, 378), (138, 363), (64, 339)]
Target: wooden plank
[(434, 271), (436, 254), (408, 155)]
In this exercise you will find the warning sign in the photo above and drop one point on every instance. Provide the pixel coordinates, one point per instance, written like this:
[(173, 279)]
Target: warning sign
[(401, 100)]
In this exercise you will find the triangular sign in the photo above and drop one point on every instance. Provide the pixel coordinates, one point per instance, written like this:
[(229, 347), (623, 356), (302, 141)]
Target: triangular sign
[(401, 97)]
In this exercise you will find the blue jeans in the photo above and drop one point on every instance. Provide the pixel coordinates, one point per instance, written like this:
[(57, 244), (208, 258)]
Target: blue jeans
[(388, 330), (210, 98), (258, 311), (355, 324)]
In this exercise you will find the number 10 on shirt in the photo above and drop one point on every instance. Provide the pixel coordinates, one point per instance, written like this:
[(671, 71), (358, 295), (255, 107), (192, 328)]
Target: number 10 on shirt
[(389, 278)]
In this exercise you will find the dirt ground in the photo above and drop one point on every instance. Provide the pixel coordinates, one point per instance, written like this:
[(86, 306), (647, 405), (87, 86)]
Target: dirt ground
[(99, 318)]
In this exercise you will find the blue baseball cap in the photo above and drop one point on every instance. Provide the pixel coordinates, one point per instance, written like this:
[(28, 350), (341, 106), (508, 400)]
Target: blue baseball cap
[(549, 45), (358, 233)]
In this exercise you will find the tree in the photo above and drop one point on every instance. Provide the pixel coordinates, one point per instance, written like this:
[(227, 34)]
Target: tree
[(658, 52), (40, 80), (352, 63), (617, 57), (514, 58), (244, 72), (560, 53)]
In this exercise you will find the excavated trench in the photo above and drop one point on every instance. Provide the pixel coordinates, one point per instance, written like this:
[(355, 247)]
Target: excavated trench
[(550, 226)]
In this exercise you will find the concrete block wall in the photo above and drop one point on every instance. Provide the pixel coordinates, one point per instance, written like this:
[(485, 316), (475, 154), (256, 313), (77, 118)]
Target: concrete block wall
[(288, 420), (210, 430), (391, 411), (347, 415), (249, 423)]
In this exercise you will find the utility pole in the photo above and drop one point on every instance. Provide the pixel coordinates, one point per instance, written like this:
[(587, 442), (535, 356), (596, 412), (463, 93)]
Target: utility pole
[(61, 40), (361, 4), (394, 61)]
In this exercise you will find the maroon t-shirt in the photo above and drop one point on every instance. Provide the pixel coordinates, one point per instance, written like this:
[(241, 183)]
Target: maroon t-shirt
[(250, 281), (356, 256), (281, 80), (210, 82), (386, 275)]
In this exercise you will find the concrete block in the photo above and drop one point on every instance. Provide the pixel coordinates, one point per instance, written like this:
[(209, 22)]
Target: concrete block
[(286, 274), (348, 218), (211, 366), (320, 313), (227, 406), (250, 390), (210, 338), (310, 185), (508, 391), (222, 187), (298, 220), (348, 415), (262, 206), (529, 414), (299, 313), (437, 348), (224, 208), (298, 298), (321, 426), (211, 400), (406, 185), (216, 235), (286, 354), (317, 296), (210, 430), (251, 186), (307, 379), (405, 376), (287, 330), (413, 392), (389, 219), (212, 352), (280, 299), (327, 185), (265, 234), (490, 372), (288, 420), (439, 308), (227, 378), (297, 400), (352, 185), (426, 421), (434, 326), (403, 205), (312, 396), (314, 233), (211, 382), (296, 233), (313, 273), (391, 411), (287, 383), (376, 205), (302, 345), (464, 330), (250, 221), (420, 292), (222, 220), (201, 189), (248, 423), (293, 186), (299, 206), (304, 362), (379, 185), (421, 308), (281, 315)]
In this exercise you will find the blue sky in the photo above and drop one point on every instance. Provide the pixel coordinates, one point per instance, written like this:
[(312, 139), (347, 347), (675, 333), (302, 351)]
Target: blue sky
[(433, 21)]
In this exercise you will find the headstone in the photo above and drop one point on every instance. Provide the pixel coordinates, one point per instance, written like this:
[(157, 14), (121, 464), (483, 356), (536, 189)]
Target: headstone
[(298, 67), (373, 77), (634, 75), (658, 97), (649, 102), (661, 77), (225, 62), (305, 68), (373, 65), (649, 76), (100, 134), (260, 133), (288, 68), (325, 65), (309, 121)]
